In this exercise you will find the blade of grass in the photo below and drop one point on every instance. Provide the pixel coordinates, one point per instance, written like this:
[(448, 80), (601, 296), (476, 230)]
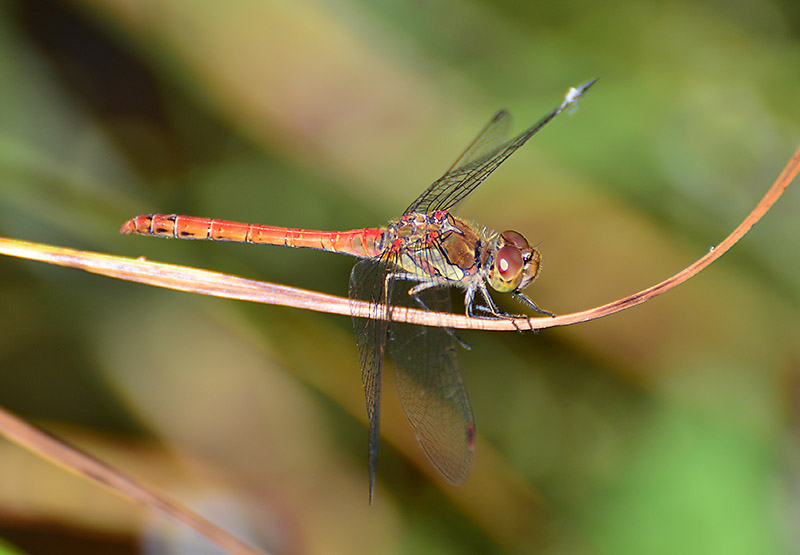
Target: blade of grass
[(204, 282), (78, 462)]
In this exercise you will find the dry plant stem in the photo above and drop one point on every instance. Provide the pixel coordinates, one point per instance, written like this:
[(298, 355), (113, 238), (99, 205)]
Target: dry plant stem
[(83, 464), (194, 280), (771, 197)]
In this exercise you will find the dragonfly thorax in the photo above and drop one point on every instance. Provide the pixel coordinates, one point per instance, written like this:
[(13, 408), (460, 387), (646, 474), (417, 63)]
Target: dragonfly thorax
[(439, 248), (435, 247)]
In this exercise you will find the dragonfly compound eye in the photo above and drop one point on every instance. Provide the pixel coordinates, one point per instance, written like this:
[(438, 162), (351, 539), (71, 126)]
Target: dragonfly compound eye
[(515, 238), (506, 273), (515, 265)]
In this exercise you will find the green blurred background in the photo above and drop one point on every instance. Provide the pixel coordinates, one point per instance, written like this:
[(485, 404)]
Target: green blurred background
[(669, 428)]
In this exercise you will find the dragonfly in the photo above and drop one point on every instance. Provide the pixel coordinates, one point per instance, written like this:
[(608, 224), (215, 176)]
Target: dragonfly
[(414, 261)]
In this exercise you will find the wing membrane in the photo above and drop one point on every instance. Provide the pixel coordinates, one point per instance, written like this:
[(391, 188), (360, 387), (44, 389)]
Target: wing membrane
[(370, 281), (487, 140), (477, 163), (432, 390)]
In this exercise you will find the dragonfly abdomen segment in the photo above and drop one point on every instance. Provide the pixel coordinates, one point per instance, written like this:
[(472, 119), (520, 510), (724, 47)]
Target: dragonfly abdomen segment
[(357, 242)]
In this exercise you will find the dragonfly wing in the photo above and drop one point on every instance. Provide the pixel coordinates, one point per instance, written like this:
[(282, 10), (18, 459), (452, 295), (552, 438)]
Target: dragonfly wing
[(492, 135), (432, 390), (369, 281), (485, 142), (476, 164)]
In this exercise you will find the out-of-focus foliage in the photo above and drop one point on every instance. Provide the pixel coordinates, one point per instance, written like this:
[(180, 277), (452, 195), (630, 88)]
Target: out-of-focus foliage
[(670, 428)]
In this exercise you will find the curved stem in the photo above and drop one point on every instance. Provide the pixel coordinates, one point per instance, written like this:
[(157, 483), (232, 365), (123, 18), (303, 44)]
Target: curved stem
[(204, 282)]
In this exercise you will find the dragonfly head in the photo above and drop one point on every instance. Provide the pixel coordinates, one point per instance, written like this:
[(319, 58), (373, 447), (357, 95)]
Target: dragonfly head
[(515, 264)]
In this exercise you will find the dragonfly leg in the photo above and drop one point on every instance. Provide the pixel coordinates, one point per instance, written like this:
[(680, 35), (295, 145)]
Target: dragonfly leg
[(423, 285), (532, 305), (413, 293), (469, 303), (490, 307), (493, 310)]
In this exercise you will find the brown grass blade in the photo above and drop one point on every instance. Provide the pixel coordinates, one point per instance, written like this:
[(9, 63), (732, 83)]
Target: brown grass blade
[(78, 462), (204, 282)]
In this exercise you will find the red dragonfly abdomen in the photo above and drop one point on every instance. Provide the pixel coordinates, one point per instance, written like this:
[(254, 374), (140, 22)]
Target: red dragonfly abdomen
[(357, 242)]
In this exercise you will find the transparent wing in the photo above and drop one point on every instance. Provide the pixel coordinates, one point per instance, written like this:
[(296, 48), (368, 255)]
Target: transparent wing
[(487, 140), (431, 388), (477, 163), (369, 281)]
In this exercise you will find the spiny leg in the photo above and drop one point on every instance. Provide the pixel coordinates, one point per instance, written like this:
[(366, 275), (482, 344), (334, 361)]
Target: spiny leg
[(422, 286), (493, 310), (532, 305)]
